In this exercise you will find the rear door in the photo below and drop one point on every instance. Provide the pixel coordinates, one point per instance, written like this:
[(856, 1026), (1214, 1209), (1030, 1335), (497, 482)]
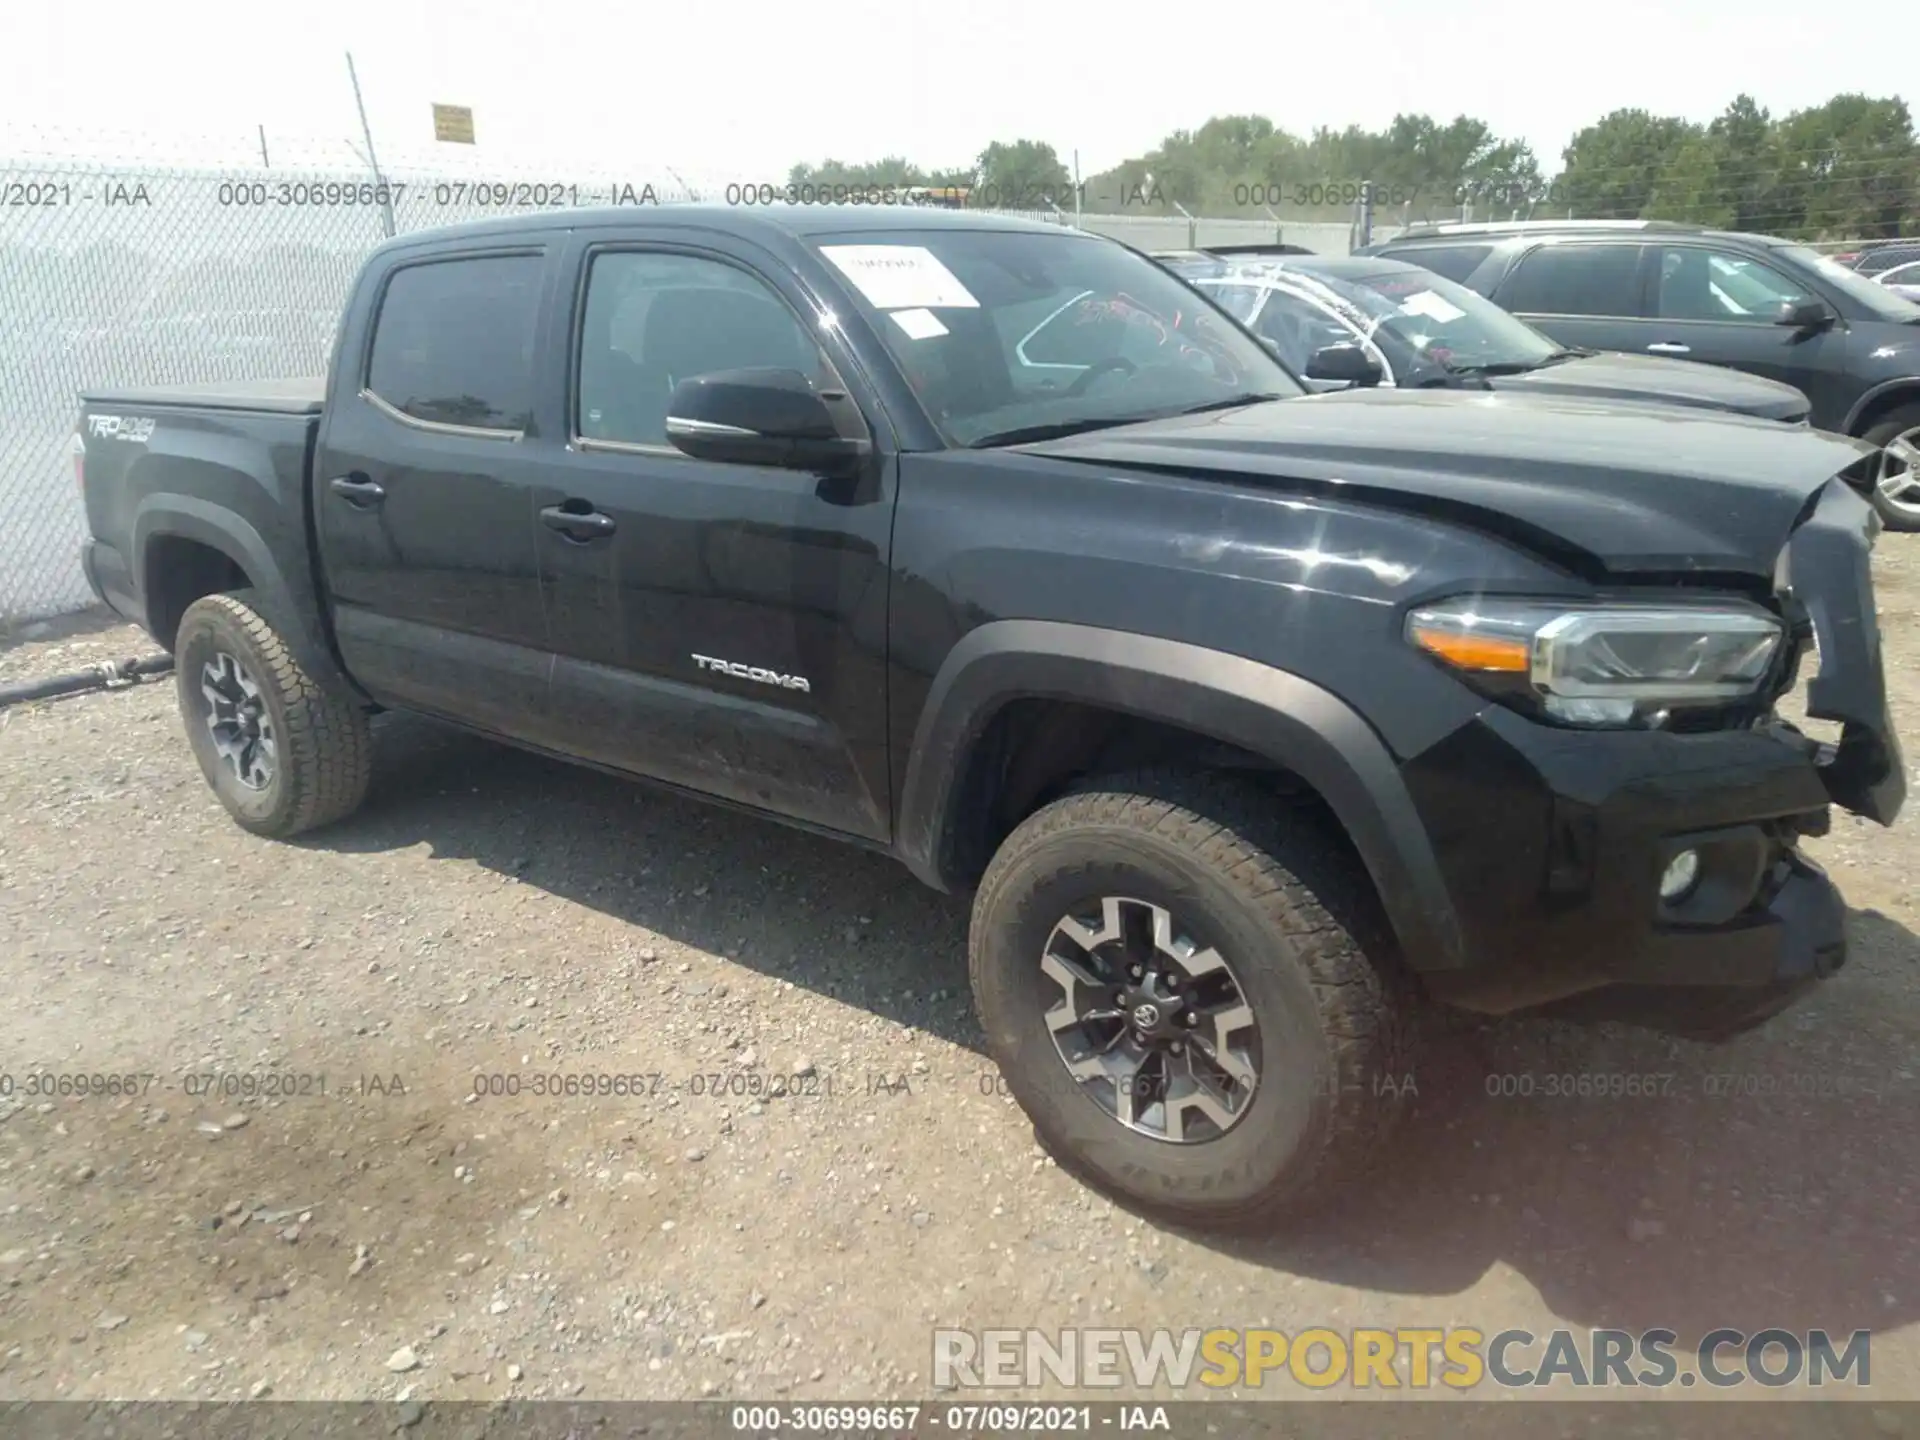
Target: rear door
[(1719, 305), (1588, 293), (428, 460), (720, 627)]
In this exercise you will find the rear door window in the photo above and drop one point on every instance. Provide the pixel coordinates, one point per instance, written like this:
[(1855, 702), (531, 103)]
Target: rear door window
[(453, 343), (1456, 262), (1599, 280)]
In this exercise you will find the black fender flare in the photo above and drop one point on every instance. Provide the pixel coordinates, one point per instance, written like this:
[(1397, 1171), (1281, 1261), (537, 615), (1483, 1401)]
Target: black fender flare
[(186, 517), (1907, 383), (1270, 712)]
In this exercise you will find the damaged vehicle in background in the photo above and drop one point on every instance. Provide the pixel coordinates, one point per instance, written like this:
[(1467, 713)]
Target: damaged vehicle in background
[(1754, 303), (1412, 328)]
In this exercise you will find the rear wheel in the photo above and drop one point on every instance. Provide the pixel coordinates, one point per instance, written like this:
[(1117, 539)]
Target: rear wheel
[(1179, 992), (1897, 495), (285, 752)]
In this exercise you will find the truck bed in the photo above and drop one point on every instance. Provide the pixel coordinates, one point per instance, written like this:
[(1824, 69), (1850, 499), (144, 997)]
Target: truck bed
[(188, 486), (302, 395)]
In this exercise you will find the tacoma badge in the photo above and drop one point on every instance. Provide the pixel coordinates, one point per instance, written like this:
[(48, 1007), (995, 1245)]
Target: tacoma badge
[(753, 672)]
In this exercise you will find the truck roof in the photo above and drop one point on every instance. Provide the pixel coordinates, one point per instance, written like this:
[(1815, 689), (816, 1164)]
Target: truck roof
[(796, 220)]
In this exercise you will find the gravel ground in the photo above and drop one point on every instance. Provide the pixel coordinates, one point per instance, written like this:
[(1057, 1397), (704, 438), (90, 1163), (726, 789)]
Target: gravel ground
[(492, 913)]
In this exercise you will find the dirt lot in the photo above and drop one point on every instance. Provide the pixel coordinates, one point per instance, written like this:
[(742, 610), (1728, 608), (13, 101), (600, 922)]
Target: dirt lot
[(493, 914)]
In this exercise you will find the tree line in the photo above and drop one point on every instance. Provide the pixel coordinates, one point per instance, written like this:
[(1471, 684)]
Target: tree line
[(1847, 169)]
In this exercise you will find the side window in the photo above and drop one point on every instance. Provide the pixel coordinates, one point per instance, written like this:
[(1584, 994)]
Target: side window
[(1456, 262), (653, 319), (1575, 280), (453, 342), (1299, 327), (1701, 284)]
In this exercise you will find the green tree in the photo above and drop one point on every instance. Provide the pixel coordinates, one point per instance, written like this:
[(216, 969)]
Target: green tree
[(1747, 168), (1023, 173), (894, 170), (1612, 167), (1850, 168), (1689, 187)]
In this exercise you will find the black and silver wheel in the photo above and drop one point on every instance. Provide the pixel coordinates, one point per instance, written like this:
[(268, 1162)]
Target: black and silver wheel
[(1897, 493), (1155, 1027), (1178, 987), (238, 720), (283, 750)]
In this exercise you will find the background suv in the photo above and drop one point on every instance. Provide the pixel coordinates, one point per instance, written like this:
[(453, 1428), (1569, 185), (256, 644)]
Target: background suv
[(1770, 307), (1420, 329)]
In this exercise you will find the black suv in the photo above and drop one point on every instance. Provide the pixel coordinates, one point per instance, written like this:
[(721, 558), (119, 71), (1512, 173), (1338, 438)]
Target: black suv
[(1767, 306)]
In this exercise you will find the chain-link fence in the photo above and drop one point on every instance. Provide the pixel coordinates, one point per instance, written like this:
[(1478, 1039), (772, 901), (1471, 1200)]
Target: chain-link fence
[(115, 276)]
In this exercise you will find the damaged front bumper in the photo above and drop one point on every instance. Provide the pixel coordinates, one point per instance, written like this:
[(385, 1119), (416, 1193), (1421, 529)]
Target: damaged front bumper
[(1554, 842), (1828, 573)]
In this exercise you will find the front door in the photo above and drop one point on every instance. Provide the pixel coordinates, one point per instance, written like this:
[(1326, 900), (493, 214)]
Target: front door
[(715, 626), (1721, 306), (423, 494)]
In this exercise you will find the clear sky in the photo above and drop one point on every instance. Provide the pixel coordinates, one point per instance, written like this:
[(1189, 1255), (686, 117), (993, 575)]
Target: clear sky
[(740, 89)]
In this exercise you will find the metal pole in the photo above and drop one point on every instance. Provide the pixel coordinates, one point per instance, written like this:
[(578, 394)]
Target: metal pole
[(1076, 189), (1366, 212), (373, 161), (265, 164), (1193, 226)]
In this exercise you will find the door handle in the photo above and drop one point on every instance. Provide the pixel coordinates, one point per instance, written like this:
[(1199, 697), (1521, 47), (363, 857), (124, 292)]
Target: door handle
[(1669, 347), (577, 524), (357, 489)]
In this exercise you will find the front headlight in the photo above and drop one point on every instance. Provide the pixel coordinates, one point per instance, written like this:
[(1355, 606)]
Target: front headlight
[(1602, 665)]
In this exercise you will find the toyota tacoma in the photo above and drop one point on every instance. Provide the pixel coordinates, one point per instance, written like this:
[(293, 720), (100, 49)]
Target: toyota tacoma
[(1252, 721)]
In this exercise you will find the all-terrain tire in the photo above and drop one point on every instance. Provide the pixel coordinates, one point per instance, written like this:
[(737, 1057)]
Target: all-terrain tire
[(322, 751), (1277, 892)]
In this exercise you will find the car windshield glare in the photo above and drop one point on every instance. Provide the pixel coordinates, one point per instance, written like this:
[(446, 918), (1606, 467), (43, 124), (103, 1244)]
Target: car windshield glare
[(1001, 332), (1442, 323)]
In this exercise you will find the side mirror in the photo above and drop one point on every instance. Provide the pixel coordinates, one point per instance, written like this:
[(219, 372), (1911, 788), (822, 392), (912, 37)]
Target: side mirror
[(1348, 364), (759, 417), (1805, 314)]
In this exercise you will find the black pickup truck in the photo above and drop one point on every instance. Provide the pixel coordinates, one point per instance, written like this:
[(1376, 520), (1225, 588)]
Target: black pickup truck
[(1252, 721)]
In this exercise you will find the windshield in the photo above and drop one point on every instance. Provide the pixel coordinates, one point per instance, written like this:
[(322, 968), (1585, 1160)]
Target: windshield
[(1005, 331), (1443, 323), (1238, 300), (1420, 321), (1874, 297)]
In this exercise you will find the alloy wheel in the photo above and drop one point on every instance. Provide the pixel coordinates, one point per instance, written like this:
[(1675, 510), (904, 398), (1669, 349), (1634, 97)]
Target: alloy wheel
[(238, 719), (1899, 481), (1154, 1027)]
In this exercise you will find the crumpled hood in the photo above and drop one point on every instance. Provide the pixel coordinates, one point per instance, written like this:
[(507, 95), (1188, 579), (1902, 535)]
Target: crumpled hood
[(1677, 382), (1631, 487)]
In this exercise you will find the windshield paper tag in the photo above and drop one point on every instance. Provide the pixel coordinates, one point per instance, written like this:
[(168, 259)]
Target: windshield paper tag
[(1432, 306), (900, 277), (919, 324)]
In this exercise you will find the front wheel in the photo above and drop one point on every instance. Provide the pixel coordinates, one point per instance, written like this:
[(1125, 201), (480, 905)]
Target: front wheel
[(284, 750), (1897, 494), (1179, 992)]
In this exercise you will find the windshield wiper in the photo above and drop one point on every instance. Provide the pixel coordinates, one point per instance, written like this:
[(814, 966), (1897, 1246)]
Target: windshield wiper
[(1232, 402), (1521, 367), (1053, 430), (1060, 429)]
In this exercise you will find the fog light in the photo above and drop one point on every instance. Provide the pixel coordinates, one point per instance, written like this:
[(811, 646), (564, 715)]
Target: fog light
[(1682, 871)]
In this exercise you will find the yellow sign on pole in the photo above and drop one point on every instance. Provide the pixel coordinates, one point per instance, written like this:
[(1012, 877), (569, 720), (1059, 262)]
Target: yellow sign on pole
[(453, 124)]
